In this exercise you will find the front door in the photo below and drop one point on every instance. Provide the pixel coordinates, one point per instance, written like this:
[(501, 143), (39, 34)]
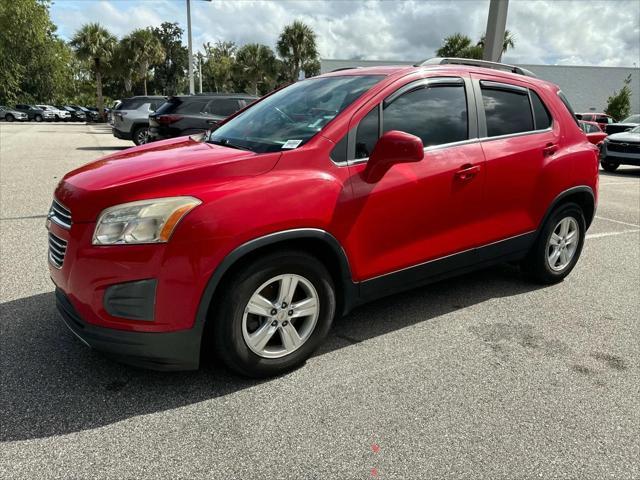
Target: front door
[(420, 211)]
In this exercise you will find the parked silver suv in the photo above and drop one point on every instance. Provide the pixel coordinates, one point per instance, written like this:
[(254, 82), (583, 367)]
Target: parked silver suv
[(131, 118)]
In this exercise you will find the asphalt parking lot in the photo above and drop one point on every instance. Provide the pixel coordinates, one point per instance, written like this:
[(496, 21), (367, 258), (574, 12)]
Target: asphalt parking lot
[(483, 376)]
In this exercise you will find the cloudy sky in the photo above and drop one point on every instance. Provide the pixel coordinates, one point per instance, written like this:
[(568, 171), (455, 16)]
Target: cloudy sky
[(575, 32)]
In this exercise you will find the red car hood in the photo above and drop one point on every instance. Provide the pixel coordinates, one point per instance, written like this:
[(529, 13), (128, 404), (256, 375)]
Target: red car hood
[(180, 166)]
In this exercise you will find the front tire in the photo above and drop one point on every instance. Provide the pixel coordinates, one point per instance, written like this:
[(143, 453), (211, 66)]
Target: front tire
[(609, 166), (38, 118), (273, 314), (558, 246), (140, 135)]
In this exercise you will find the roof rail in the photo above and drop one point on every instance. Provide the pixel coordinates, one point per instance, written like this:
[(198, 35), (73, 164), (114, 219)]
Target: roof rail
[(343, 68), (476, 63)]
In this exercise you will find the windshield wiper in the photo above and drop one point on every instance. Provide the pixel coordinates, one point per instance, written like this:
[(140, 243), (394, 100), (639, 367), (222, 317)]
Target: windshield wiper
[(226, 143)]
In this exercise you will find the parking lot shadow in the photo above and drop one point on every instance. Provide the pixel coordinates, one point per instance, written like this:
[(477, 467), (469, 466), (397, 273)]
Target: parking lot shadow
[(52, 384), (624, 171)]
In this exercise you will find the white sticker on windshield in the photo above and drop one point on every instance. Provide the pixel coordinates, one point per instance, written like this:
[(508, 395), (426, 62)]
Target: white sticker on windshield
[(291, 143)]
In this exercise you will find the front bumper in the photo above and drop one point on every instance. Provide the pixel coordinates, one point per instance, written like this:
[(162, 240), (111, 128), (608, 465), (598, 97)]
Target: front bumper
[(169, 351)]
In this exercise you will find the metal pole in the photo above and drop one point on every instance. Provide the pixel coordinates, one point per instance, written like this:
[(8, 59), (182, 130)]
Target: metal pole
[(496, 24), (192, 88), (200, 71)]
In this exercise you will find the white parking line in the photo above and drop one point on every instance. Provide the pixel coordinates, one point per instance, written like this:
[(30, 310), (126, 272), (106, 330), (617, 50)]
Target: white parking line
[(609, 234), (617, 221)]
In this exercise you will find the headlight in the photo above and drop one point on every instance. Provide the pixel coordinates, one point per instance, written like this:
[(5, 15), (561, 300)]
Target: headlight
[(145, 221)]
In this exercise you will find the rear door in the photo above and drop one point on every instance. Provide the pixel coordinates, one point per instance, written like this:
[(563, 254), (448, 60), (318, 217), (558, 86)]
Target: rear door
[(519, 139), (220, 108)]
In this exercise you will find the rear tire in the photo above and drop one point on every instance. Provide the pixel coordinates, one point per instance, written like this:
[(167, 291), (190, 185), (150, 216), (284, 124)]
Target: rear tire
[(609, 166), (558, 246), (8, 117), (140, 135), (235, 325)]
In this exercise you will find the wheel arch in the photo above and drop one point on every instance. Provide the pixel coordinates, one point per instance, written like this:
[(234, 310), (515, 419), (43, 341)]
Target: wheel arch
[(317, 242), (582, 195)]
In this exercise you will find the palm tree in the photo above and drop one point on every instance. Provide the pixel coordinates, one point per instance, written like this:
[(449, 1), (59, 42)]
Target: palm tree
[(256, 64), (454, 45), (297, 48), (507, 43), (94, 44), (146, 50)]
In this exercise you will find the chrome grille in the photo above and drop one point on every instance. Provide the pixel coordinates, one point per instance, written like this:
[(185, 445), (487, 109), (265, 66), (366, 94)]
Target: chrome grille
[(57, 250), (60, 215)]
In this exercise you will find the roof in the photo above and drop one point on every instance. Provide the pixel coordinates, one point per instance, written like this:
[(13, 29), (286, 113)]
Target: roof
[(446, 69)]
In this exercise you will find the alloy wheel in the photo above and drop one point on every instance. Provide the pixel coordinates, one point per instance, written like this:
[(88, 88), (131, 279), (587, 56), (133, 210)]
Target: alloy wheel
[(280, 316), (562, 244)]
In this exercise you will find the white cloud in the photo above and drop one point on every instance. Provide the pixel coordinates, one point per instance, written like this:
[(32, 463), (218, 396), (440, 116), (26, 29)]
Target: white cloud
[(563, 32)]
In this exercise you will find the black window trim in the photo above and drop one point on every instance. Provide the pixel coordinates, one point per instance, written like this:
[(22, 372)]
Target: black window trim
[(472, 114), (482, 119)]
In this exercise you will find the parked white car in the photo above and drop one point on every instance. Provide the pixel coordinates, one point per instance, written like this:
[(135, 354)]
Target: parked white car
[(59, 114)]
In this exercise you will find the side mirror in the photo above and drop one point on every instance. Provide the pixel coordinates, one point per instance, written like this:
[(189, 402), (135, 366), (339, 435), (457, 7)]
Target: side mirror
[(628, 129), (392, 147)]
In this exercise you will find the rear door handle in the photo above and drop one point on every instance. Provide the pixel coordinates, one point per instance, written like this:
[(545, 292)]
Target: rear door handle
[(467, 172), (549, 149)]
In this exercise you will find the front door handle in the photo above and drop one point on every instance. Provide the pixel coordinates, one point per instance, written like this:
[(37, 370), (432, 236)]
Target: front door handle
[(549, 149), (467, 172)]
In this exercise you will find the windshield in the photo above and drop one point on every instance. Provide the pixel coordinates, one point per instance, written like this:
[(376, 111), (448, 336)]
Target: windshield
[(291, 117), (636, 129), (631, 119)]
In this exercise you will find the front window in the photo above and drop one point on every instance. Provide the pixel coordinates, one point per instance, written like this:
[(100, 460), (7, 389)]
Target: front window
[(631, 119), (291, 117)]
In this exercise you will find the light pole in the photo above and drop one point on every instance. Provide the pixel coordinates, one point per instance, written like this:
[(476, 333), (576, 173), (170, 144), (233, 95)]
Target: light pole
[(496, 24), (192, 88)]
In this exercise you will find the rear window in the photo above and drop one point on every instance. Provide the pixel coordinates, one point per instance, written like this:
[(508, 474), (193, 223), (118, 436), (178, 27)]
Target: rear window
[(135, 103), (566, 103), (506, 111)]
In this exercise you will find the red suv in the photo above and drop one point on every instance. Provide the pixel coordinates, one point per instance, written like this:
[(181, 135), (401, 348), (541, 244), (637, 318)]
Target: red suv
[(321, 196)]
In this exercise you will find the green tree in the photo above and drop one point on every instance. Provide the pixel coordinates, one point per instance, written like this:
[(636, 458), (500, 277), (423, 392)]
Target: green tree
[(124, 66), (145, 49), (297, 48), (255, 64), (95, 45), (619, 104), (218, 69), (34, 62), (461, 46), (169, 74)]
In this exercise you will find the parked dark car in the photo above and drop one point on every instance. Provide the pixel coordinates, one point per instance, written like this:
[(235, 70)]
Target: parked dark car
[(621, 149), (90, 115), (623, 125), (77, 115), (9, 114), (190, 114), (35, 113)]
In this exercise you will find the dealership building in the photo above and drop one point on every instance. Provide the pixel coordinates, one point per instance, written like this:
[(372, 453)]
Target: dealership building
[(586, 87)]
